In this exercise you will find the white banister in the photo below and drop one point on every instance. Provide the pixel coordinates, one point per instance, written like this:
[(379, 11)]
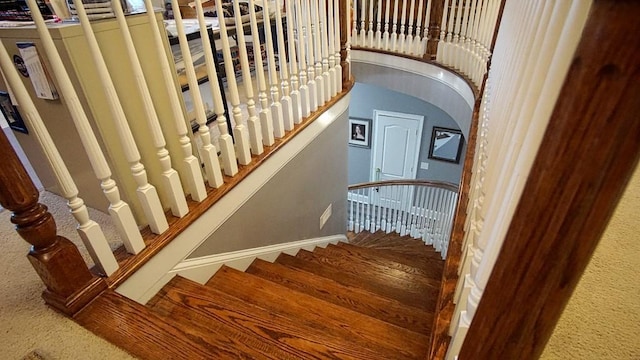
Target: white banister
[(191, 166), (415, 48), (401, 35), (207, 151), (407, 48), (276, 106), (362, 39), (293, 63), (385, 34), (311, 73), (147, 194), (324, 28), (336, 39), (170, 180), (119, 210), (317, 41), (354, 26), (266, 122), (305, 106), (90, 232), (287, 108), (394, 29), (378, 35), (333, 85), (425, 35), (370, 40)]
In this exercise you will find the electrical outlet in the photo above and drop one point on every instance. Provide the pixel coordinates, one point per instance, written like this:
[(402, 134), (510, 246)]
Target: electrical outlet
[(325, 216), (424, 165)]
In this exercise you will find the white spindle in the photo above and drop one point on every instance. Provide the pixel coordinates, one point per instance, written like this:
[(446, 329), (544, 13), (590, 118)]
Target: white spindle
[(276, 106), (337, 45), (362, 40), (378, 35), (191, 167), (243, 147), (287, 107), (402, 36), (305, 106), (461, 56), (89, 231), (408, 47), (147, 194), (208, 152), (394, 29), (385, 34), (317, 41), (425, 35), (170, 180), (416, 48), (119, 210), (266, 122), (326, 78), (370, 41), (313, 86), (351, 215), (333, 85), (354, 25), (293, 63)]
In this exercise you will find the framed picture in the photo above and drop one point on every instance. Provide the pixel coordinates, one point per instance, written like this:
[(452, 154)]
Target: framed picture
[(446, 144), (360, 132), (11, 113)]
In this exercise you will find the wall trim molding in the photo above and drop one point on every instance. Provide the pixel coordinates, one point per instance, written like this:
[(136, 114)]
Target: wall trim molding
[(157, 270)]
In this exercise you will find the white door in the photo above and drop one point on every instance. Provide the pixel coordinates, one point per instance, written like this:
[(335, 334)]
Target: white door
[(396, 146)]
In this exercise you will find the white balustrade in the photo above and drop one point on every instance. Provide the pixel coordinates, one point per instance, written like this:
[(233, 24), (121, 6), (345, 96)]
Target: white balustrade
[(293, 63), (191, 166), (287, 107), (305, 106), (147, 194), (207, 151), (317, 41), (311, 73), (171, 183), (276, 106), (326, 78), (90, 232), (119, 210), (337, 45)]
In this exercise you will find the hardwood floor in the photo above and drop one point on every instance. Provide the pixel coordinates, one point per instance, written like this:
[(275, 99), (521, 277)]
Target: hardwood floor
[(371, 299)]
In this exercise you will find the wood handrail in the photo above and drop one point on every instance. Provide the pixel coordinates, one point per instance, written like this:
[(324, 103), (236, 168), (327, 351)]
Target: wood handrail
[(57, 260), (436, 184)]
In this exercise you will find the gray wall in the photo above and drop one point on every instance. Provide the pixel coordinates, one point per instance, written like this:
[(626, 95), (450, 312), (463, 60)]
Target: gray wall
[(365, 98), (289, 206)]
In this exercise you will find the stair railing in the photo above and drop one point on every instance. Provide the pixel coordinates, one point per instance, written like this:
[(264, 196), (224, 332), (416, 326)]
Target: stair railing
[(418, 208), (183, 177)]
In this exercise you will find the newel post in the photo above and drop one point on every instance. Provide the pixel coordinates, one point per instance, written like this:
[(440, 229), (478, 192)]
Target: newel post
[(344, 37), (57, 261), (435, 19)]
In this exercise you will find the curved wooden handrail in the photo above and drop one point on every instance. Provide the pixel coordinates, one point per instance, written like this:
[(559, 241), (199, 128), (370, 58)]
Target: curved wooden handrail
[(437, 184)]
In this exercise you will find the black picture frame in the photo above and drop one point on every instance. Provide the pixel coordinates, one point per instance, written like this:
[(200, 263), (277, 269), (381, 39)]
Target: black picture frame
[(11, 113), (446, 144), (360, 132)]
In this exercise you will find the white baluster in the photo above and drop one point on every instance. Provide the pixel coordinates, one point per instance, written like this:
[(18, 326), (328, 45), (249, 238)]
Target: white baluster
[(119, 210), (293, 63), (191, 172), (425, 35), (317, 41), (266, 122), (354, 25), (350, 218), (402, 36), (313, 87), (170, 180), (394, 34), (336, 38), (377, 43), (415, 47), (443, 33), (208, 152), (408, 46), (333, 84), (147, 193), (362, 40), (385, 34), (370, 40), (305, 106), (276, 107), (287, 107), (326, 78), (89, 231)]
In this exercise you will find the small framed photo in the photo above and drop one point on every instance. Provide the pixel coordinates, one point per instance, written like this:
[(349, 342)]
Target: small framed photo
[(11, 113), (446, 144), (360, 132)]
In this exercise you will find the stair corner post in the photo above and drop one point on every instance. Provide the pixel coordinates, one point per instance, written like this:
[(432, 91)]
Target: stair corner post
[(344, 39), (69, 283)]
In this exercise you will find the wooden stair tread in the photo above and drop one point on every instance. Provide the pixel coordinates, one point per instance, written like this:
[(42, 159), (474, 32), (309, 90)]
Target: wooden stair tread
[(138, 330), (425, 303), (368, 332), (350, 297), (431, 274), (405, 245), (376, 273), (294, 341), (428, 267)]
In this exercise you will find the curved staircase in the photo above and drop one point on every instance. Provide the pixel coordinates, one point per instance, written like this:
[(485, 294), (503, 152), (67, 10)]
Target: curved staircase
[(373, 298)]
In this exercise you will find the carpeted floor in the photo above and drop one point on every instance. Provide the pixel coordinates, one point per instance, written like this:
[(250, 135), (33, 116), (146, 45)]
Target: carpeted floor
[(26, 324), (602, 321)]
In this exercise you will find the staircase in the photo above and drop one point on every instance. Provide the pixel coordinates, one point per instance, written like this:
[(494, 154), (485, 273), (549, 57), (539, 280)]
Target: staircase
[(373, 298)]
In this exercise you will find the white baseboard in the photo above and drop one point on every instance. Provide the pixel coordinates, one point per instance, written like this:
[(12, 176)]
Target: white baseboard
[(203, 268)]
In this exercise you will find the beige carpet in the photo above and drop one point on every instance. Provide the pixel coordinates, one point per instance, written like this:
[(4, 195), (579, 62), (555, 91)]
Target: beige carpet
[(602, 319), (26, 324)]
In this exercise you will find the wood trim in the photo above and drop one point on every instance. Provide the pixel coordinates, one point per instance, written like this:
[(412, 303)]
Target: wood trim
[(436, 184), (591, 148)]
